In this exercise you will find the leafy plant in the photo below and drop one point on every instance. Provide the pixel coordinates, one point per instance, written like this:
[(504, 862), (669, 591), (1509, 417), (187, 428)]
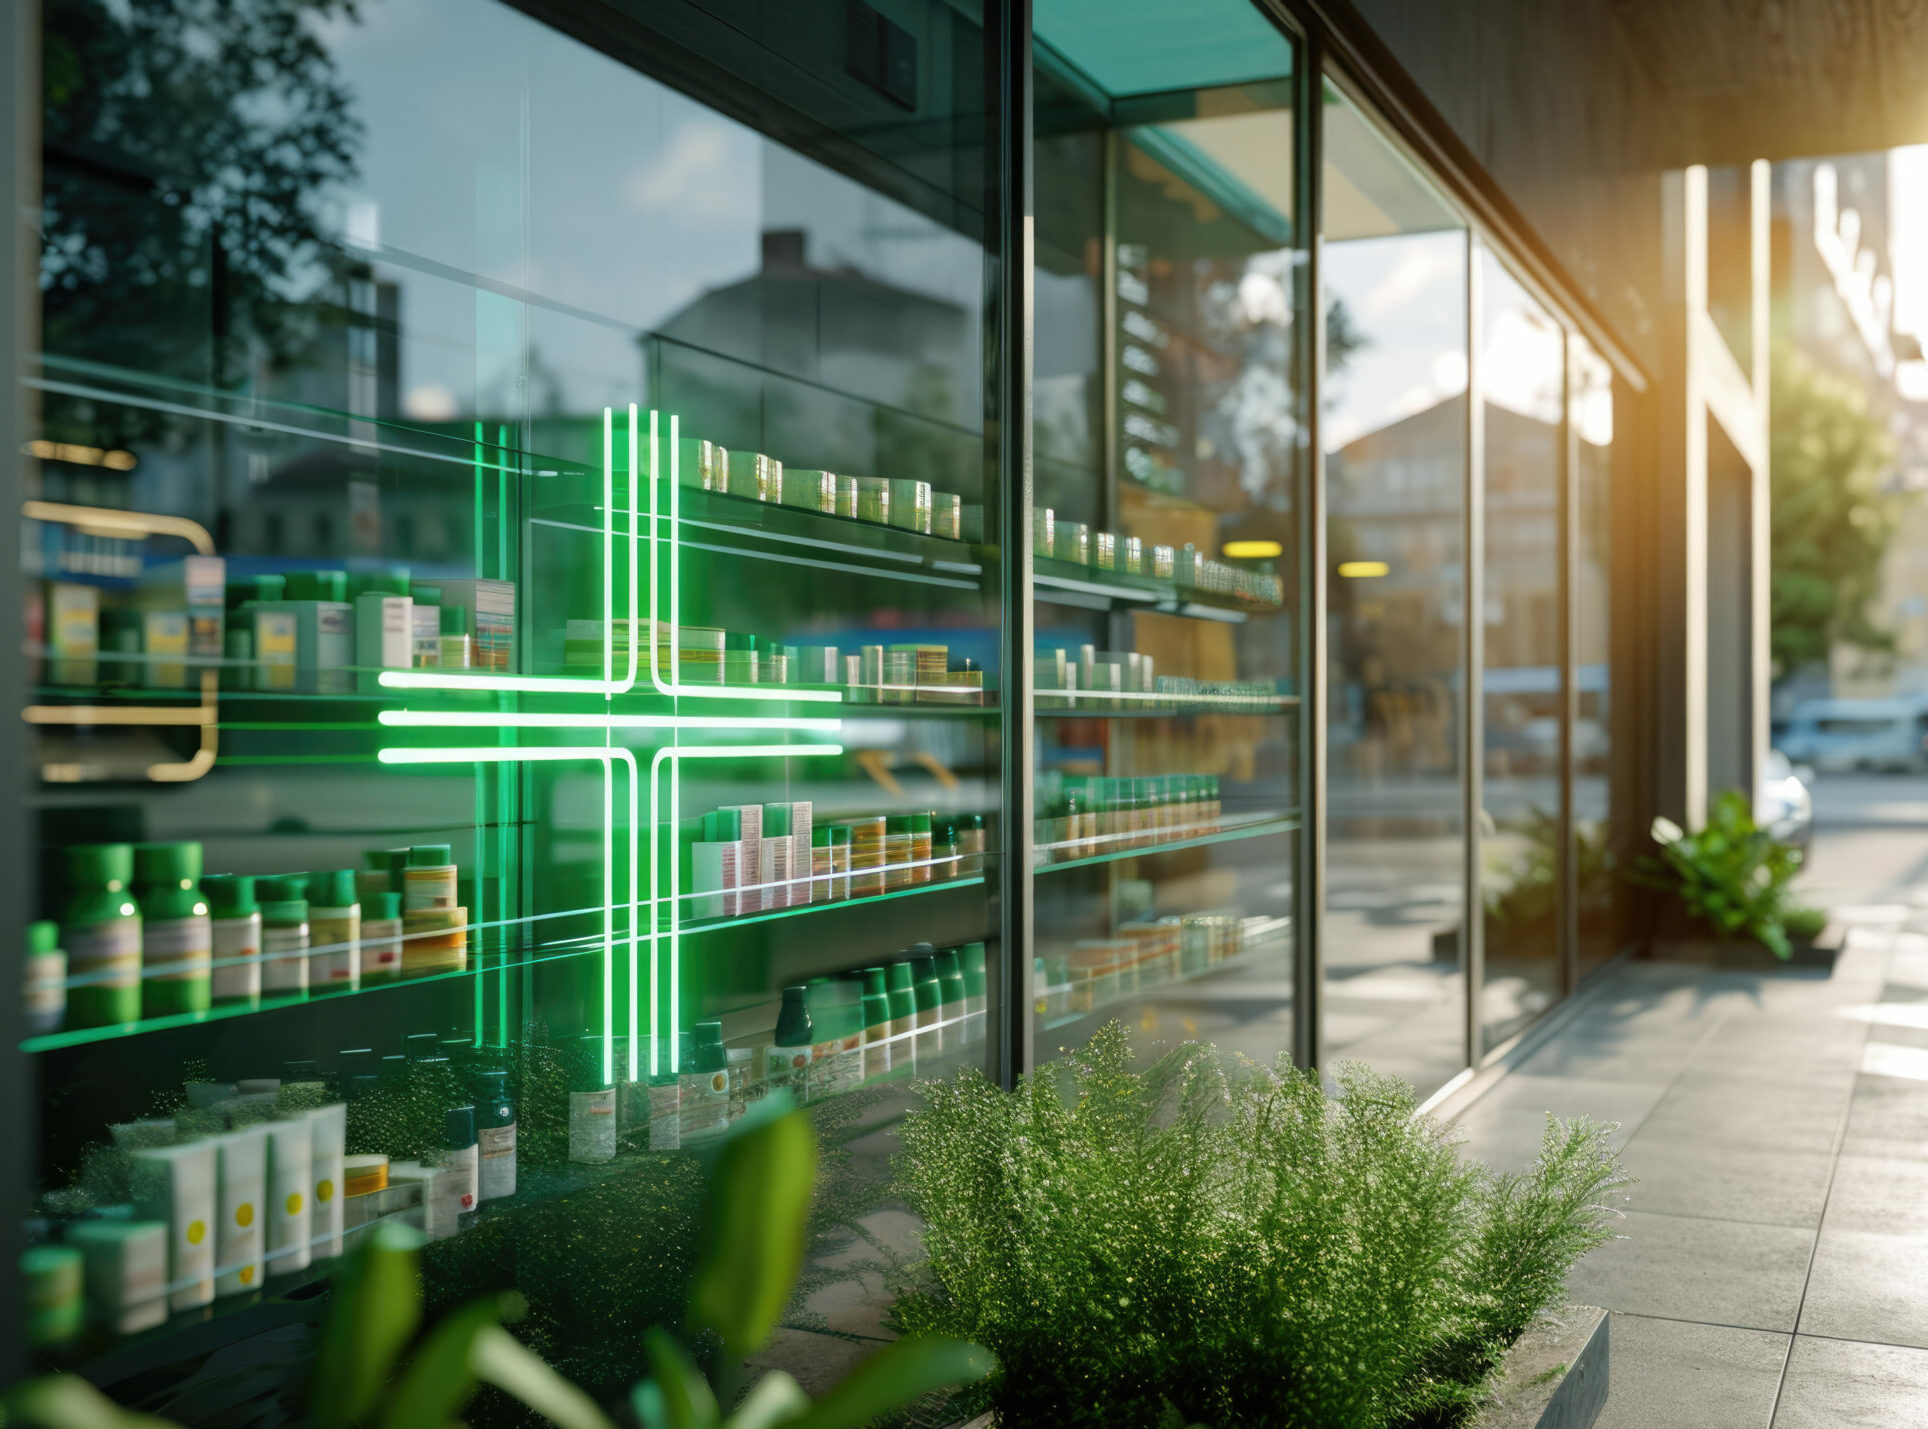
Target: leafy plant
[(1210, 1240), (1732, 875), (371, 1369), (750, 1252), (1530, 893)]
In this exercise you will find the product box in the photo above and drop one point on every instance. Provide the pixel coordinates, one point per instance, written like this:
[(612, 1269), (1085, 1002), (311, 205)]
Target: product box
[(328, 1130), (241, 1189), (165, 638), (175, 1185), (800, 829), (754, 898), (277, 635), (73, 632), (126, 1269), (383, 635), (492, 620), (324, 642), (702, 464), (195, 586)]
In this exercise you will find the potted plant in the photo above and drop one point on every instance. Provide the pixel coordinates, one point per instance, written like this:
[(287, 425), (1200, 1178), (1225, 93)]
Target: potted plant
[(1729, 895), (1213, 1241)]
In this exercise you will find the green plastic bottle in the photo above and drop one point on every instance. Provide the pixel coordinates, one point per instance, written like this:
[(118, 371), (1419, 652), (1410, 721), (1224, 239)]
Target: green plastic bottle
[(237, 938), (177, 938), (903, 1018), (928, 993), (101, 931), (950, 977)]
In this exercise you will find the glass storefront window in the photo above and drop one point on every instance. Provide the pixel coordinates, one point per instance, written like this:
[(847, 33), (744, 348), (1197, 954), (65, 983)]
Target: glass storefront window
[(1165, 451), (1393, 427), (1521, 373)]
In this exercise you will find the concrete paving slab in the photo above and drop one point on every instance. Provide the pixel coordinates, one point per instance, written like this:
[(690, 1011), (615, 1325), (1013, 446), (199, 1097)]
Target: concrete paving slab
[(1670, 1375), (1869, 1286), (1836, 1385), (1690, 1268), (1684, 1174)]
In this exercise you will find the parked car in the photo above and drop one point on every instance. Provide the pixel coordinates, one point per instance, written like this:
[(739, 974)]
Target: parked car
[(1845, 735), (1782, 804)]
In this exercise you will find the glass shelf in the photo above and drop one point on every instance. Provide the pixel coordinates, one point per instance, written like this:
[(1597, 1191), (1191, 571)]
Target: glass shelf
[(485, 962), (1253, 827), (1259, 953), (1154, 708), (1061, 583)]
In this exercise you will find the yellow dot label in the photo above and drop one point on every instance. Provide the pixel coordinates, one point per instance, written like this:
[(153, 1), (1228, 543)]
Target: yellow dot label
[(247, 1275), (197, 1231), (244, 1214), (324, 1191), (294, 1203)]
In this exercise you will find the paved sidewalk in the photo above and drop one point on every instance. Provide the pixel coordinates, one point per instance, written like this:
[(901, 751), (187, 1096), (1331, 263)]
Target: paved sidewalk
[(1775, 1266)]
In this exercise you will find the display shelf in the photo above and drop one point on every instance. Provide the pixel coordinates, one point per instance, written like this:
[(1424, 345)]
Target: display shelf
[(1155, 708), (298, 1298), (1061, 583), (1268, 949), (1254, 827), (490, 962)]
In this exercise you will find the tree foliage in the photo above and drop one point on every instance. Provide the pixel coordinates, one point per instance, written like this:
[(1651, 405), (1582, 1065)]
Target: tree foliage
[(1832, 521)]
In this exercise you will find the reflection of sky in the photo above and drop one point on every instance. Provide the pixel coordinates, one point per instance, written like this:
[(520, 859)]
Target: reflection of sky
[(496, 146), (1406, 297)]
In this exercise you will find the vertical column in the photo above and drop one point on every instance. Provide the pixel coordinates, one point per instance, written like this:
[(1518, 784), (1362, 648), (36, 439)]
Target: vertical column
[(1472, 598), (1008, 52)]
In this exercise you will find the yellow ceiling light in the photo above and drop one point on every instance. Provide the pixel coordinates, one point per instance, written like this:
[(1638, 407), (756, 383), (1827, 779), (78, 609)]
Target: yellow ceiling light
[(1363, 570), (1251, 550)]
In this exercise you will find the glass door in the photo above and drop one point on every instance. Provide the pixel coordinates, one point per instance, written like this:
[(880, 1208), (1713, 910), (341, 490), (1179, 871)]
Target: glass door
[(1164, 530)]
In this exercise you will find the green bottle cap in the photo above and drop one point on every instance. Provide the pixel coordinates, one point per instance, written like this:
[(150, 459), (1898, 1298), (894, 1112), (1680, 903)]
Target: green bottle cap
[(973, 821), (898, 977), (243, 589), (375, 860), (723, 826), (974, 980), (820, 837), (283, 896), (733, 641), (930, 995), (459, 1124), (230, 895), (707, 1047), (776, 821), (923, 969), (430, 856), (383, 906), (455, 619), (334, 889), (873, 982), (111, 864), (424, 594), (839, 834), (167, 865), (920, 823), (897, 824), (876, 1009), (383, 583), (949, 964), (43, 937)]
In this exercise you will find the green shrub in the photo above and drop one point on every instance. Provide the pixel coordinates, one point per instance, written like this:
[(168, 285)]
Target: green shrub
[(1211, 1241), (1732, 875)]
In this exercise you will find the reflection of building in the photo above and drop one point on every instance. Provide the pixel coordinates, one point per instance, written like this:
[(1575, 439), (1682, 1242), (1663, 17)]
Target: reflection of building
[(1836, 231), (1395, 500)]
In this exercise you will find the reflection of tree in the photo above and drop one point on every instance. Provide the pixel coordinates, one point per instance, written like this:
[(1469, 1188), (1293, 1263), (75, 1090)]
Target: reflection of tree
[(1831, 521), (188, 146)]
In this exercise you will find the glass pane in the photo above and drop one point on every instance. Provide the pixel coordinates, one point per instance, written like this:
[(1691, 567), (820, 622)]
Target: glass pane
[(1394, 430), (347, 544), (1599, 888), (1522, 374), (1165, 458)]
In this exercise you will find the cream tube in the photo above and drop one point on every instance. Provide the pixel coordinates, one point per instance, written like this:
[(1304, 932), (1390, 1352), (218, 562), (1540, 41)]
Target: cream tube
[(328, 1131), (126, 1270), (241, 1188), (175, 1185), (291, 1160)]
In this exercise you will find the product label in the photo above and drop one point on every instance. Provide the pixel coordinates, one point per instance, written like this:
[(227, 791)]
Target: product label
[(713, 871), (497, 1147), (178, 949), (776, 872), (276, 636), (109, 951), (428, 888), (789, 1067), (284, 958), (665, 1116), (381, 949), (237, 954), (426, 635), (334, 938), (166, 634), (705, 1109), (459, 1179), (592, 1124), (876, 1053)]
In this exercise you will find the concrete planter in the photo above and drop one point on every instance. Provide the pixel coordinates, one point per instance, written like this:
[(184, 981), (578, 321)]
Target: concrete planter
[(1556, 1377), (1746, 954)]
